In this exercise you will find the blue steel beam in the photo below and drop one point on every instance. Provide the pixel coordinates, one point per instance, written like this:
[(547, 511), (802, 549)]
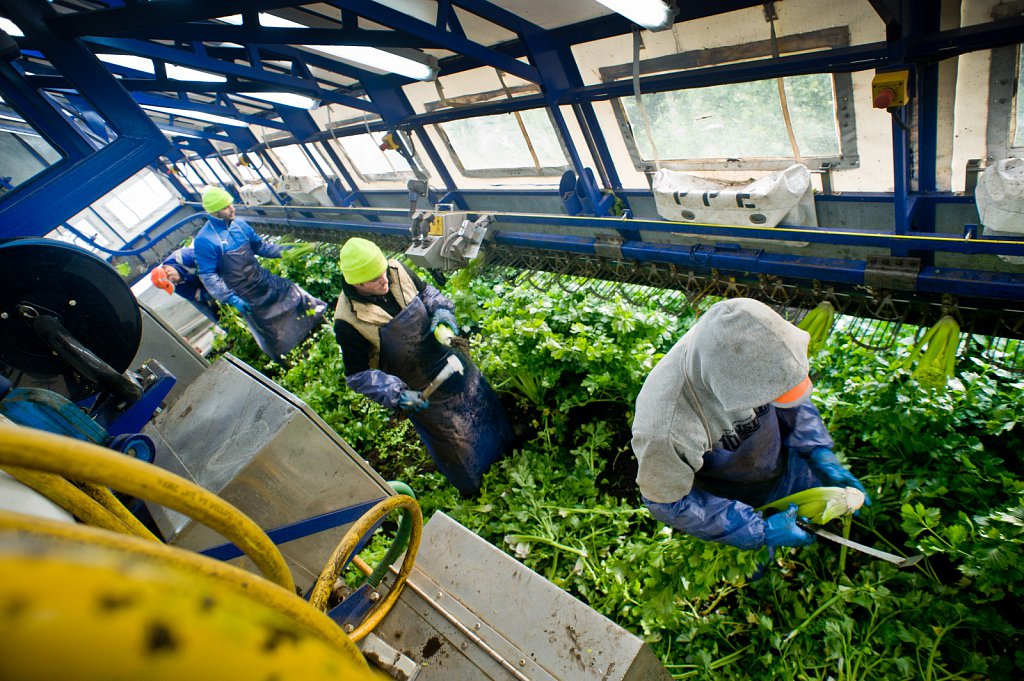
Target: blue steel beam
[(66, 188), (847, 272), (154, 13), (186, 105), (178, 130), (152, 84), (386, 16), (838, 60), (591, 30), (923, 241), (863, 238), (395, 108), (957, 41), (193, 60), (267, 35)]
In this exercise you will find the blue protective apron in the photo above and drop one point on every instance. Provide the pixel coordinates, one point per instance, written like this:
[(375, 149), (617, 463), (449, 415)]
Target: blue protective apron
[(282, 313), (759, 468), (465, 428)]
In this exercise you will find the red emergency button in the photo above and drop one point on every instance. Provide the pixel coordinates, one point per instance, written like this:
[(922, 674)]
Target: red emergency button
[(883, 100)]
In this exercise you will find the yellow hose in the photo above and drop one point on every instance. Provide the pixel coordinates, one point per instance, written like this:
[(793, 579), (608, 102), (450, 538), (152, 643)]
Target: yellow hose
[(134, 616), (83, 461), (68, 497), (347, 545), (232, 578), (105, 498)]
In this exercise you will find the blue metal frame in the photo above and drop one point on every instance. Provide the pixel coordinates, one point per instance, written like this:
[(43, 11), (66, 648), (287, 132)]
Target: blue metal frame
[(300, 529), (86, 175), (914, 40)]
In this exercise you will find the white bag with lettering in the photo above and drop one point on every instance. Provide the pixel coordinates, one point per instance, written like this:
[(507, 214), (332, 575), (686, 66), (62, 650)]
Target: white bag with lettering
[(784, 197)]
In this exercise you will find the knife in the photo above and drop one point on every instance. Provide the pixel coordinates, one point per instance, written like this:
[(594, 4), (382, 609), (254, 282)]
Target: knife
[(899, 561)]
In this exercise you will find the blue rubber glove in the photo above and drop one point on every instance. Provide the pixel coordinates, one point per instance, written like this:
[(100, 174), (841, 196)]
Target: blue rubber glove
[(411, 401), (239, 304), (781, 530), (827, 467), (443, 316)]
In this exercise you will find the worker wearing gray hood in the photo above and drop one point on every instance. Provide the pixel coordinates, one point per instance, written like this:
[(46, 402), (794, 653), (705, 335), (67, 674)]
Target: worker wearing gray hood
[(723, 425)]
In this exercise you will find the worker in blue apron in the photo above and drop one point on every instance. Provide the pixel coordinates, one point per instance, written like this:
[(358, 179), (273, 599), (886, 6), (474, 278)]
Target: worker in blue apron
[(178, 274), (390, 326), (723, 425), (280, 315)]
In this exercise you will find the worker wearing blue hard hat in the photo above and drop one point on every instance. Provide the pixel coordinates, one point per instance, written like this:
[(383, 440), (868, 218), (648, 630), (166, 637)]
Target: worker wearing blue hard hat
[(723, 426), (395, 334), (279, 313)]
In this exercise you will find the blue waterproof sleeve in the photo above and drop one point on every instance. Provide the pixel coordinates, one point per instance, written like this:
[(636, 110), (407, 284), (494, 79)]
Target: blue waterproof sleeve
[(259, 246), (434, 300), (379, 386), (712, 518), (186, 256), (803, 429)]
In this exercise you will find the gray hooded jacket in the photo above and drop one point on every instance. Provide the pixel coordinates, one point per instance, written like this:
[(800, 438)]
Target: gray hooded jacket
[(738, 356)]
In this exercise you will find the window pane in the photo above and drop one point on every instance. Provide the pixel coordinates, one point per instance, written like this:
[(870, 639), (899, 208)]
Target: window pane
[(22, 155), (497, 142), (212, 172), (742, 120), (189, 173), (121, 211), (158, 191), (138, 202), (41, 147), (812, 105), (365, 153), (85, 228), (295, 161), (544, 138)]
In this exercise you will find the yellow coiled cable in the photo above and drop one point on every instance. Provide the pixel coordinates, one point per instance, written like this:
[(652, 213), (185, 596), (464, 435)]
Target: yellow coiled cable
[(86, 462)]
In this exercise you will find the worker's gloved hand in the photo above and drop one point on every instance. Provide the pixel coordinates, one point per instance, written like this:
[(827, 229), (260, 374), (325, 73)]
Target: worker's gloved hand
[(445, 317), (239, 304), (781, 530), (826, 466), (412, 401)]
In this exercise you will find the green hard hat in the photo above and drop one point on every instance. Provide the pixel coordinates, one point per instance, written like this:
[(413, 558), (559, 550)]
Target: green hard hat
[(361, 261), (215, 199)]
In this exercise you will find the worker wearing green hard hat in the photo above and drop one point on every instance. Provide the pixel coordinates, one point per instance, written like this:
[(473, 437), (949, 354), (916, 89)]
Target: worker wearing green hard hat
[(216, 199), (361, 261), (396, 335), (279, 313)]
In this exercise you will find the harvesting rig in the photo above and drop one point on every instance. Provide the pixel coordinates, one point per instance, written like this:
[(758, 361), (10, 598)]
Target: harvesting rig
[(866, 154)]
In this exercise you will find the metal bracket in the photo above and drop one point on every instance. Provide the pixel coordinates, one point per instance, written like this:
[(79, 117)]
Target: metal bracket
[(892, 273), (397, 665), (974, 169), (608, 247)]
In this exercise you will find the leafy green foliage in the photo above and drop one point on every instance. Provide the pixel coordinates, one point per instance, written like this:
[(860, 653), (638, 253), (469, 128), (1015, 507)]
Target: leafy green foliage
[(942, 468)]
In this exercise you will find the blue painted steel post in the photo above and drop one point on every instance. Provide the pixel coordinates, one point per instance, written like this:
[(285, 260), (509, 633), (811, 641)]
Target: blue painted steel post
[(167, 170), (355, 195), (927, 133), (394, 106), (559, 73), (267, 183)]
